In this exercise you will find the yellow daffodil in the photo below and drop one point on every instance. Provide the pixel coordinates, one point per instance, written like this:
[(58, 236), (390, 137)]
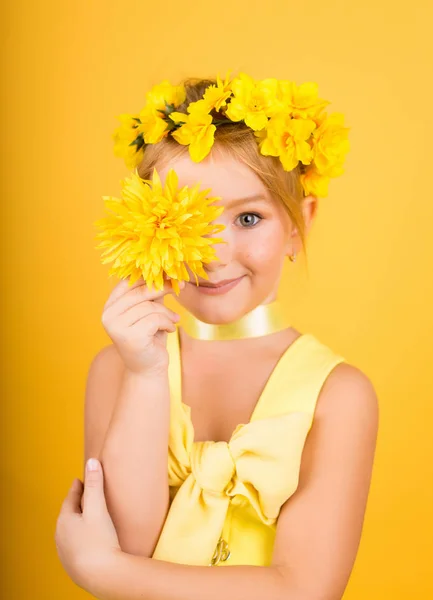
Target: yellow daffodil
[(287, 139), (156, 229), (164, 94), (152, 125), (196, 131), (216, 96), (128, 143), (253, 102), (330, 145), (149, 126), (314, 182), (301, 101), (160, 101)]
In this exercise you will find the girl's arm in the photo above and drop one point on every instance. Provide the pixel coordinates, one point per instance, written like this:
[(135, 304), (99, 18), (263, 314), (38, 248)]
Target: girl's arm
[(126, 428), (141, 578), (318, 530)]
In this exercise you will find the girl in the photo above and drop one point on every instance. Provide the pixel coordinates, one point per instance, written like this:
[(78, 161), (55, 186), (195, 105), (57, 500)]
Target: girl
[(269, 435)]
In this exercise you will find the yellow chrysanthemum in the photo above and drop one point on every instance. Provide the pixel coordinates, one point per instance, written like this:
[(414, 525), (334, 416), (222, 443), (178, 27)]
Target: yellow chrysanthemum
[(301, 101), (253, 102), (330, 145), (155, 230), (287, 138), (128, 143), (197, 130)]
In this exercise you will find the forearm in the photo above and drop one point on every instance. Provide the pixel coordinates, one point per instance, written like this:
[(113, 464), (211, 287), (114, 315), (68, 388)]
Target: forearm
[(140, 578), (135, 458)]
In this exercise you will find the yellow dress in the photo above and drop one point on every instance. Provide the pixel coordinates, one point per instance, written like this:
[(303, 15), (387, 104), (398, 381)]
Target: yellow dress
[(226, 497)]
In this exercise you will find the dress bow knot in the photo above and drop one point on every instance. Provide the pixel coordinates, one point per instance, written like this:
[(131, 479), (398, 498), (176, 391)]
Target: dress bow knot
[(213, 467), (260, 464)]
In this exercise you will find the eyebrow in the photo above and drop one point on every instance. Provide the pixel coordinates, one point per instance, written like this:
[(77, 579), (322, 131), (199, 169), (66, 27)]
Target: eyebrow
[(254, 197)]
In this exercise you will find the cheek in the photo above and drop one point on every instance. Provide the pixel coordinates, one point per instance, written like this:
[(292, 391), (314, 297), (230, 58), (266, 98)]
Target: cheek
[(266, 250)]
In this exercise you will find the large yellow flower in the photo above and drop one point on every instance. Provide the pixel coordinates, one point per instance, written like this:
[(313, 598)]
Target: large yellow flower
[(287, 138), (156, 229), (253, 102), (330, 145), (196, 131), (128, 143)]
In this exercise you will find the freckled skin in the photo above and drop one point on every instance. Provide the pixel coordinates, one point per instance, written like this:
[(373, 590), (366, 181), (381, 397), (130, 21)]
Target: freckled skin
[(255, 247)]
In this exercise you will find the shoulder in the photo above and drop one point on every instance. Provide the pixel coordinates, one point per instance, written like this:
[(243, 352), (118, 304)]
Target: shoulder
[(346, 417), (348, 390), (344, 388)]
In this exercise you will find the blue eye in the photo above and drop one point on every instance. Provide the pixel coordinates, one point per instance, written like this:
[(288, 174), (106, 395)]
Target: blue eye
[(249, 226)]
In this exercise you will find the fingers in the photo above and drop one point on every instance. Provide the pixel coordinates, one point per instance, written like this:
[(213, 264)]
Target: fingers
[(94, 497), (72, 502), (142, 310), (138, 296), (126, 295), (154, 322)]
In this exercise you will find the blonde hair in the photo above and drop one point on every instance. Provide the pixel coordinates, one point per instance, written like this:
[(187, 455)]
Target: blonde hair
[(237, 140)]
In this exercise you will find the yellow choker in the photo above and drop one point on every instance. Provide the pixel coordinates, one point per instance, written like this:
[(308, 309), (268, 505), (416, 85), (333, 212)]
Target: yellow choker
[(262, 320)]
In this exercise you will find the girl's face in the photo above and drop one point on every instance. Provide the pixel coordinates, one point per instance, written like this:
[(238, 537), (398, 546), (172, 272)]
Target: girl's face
[(257, 232)]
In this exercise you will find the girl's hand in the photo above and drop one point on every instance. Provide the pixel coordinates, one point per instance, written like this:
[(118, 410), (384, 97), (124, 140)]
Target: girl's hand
[(137, 322), (86, 541)]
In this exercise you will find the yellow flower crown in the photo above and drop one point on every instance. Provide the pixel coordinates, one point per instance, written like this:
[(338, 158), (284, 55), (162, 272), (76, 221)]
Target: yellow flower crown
[(289, 121)]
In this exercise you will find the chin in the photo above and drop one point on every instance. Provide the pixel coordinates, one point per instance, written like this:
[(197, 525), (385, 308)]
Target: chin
[(220, 312), (216, 315), (225, 308)]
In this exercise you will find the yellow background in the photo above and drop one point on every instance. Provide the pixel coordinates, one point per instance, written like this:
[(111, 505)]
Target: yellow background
[(68, 68)]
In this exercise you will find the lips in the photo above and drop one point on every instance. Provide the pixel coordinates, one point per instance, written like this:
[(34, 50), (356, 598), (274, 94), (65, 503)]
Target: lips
[(219, 284)]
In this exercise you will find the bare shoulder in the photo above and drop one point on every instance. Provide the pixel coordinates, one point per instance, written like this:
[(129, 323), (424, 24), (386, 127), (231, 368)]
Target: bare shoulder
[(347, 389), (347, 412)]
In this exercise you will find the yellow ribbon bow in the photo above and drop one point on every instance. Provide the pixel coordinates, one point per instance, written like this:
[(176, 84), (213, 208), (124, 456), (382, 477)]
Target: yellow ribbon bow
[(261, 463)]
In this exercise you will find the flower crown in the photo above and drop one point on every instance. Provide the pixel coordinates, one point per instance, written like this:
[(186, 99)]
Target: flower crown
[(288, 121)]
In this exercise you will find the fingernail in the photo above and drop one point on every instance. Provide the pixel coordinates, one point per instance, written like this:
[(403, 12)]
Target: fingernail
[(92, 464)]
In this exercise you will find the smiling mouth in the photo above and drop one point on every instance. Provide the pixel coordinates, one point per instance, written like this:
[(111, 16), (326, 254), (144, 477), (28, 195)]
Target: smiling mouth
[(220, 284), (217, 290)]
